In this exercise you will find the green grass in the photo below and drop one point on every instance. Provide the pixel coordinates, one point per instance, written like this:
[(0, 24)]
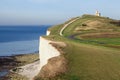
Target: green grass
[(103, 27), (93, 63), (55, 29), (111, 41), (108, 42), (88, 61)]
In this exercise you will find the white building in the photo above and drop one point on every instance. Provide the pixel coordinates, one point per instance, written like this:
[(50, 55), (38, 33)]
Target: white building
[(97, 13)]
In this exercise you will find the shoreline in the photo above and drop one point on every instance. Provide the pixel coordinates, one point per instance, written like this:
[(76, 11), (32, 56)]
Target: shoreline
[(12, 55), (10, 62)]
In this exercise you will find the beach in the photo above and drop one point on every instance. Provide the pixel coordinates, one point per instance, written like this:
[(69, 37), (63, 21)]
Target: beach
[(11, 62)]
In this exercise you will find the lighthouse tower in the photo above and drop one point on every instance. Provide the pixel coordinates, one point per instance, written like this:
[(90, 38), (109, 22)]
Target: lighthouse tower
[(97, 13)]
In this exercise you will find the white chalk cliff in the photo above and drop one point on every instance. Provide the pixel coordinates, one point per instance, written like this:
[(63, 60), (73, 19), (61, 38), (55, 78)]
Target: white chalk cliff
[(46, 51), (49, 56), (47, 32), (52, 62)]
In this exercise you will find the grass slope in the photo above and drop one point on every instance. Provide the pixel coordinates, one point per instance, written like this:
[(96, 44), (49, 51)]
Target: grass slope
[(93, 63), (95, 30), (86, 61)]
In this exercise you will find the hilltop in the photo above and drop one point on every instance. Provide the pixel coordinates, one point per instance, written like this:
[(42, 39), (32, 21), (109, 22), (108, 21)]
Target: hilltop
[(92, 48), (93, 30)]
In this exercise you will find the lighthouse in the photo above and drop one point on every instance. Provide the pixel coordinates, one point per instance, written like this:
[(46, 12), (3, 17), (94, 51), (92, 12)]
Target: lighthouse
[(97, 13)]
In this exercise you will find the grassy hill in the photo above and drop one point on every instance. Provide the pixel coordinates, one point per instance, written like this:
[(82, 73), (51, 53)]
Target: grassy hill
[(92, 50), (96, 30)]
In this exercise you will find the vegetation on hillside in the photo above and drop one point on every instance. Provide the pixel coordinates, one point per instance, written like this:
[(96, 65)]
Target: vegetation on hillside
[(87, 60), (95, 30)]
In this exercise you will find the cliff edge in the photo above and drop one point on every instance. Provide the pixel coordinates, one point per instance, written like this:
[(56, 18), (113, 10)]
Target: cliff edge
[(52, 62), (92, 51)]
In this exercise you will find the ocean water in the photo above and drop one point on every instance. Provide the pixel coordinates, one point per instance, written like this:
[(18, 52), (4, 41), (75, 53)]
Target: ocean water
[(20, 39)]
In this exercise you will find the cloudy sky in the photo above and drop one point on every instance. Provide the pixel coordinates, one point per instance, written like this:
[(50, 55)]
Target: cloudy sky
[(49, 12)]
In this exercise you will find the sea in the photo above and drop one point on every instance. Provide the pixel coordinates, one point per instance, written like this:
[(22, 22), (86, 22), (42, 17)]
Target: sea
[(15, 40)]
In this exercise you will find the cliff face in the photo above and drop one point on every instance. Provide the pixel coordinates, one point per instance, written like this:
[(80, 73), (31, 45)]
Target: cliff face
[(47, 32), (52, 63), (47, 51)]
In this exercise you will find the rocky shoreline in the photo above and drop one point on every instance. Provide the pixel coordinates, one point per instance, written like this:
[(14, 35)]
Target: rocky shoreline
[(6, 63), (10, 62)]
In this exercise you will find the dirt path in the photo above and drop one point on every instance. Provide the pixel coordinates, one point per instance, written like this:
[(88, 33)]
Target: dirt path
[(66, 25)]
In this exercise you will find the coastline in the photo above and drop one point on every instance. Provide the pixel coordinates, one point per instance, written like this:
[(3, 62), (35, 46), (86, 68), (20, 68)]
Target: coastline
[(10, 62)]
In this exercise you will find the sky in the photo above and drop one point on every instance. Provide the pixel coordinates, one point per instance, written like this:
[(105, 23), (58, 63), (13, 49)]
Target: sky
[(52, 12)]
